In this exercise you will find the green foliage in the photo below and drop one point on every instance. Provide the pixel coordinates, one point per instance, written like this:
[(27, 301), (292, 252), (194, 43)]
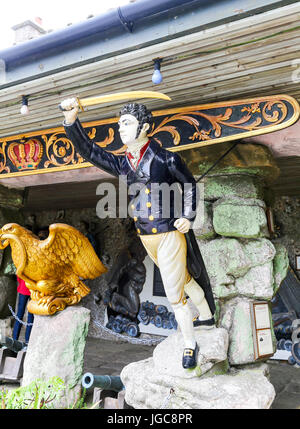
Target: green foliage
[(37, 395), (80, 403)]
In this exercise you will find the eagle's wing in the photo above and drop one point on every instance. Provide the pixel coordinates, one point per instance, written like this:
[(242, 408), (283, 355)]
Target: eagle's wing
[(67, 246)]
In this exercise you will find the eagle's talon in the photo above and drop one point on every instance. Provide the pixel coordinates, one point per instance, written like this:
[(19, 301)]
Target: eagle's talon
[(45, 300)]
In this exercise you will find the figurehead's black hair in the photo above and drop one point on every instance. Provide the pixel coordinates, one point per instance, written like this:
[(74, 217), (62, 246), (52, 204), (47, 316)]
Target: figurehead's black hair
[(140, 112)]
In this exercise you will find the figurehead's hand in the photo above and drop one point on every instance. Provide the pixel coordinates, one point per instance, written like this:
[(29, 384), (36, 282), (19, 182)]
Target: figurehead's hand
[(183, 225), (70, 110)]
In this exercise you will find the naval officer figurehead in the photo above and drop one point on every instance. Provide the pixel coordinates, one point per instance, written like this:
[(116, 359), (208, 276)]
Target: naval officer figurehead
[(163, 237)]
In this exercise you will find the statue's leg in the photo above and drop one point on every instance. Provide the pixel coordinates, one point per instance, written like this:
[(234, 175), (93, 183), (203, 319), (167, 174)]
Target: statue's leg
[(195, 292), (184, 319), (168, 251), (171, 257)]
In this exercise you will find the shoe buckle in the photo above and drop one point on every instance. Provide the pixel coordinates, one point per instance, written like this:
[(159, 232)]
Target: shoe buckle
[(188, 352)]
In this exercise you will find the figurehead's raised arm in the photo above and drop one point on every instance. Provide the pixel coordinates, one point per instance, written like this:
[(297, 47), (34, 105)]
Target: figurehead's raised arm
[(83, 144)]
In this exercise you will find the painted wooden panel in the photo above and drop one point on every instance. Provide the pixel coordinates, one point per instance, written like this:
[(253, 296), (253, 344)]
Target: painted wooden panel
[(175, 129)]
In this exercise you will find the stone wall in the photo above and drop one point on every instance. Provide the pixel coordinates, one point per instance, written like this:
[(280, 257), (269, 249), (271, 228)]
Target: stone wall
[(287, 233), (242, 262)]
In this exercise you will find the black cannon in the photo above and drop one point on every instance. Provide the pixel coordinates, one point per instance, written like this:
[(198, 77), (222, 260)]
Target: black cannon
[(105, 382), (11, 344)]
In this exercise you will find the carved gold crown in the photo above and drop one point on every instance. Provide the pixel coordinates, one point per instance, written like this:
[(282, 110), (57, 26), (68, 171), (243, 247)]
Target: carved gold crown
[(26, 156)]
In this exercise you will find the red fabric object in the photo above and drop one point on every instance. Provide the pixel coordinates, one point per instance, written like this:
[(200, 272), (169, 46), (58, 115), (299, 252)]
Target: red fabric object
[(22, 288), (142, 151)]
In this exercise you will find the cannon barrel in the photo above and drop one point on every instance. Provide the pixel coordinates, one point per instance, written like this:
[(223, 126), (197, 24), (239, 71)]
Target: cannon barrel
[(107, 382)]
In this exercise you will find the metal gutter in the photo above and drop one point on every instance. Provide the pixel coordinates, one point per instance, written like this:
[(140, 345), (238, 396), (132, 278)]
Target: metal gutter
[(126, 29), (117, 21)]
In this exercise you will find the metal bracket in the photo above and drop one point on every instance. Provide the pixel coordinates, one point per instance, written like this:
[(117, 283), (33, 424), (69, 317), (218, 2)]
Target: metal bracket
[(128, 25)]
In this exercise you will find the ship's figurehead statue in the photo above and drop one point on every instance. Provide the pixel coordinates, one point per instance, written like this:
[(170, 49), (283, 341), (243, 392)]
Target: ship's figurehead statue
[(149, 165)]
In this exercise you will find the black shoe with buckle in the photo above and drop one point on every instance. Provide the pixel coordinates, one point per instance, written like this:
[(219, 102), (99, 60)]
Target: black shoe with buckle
[(209, 323), (189, 358)]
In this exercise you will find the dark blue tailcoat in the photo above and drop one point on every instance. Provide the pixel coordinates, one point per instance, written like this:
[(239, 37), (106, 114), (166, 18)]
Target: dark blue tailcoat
[(153, 208)]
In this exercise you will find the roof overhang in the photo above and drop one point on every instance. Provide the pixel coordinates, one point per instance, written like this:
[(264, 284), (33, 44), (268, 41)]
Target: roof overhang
[(253, 56), (242, 56)]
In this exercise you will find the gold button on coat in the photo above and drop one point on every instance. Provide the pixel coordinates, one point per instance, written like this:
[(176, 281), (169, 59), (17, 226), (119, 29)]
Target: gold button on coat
[(148, 204), (154, 230), (147, 191), (139, 231), (135, 218), (151, 217)]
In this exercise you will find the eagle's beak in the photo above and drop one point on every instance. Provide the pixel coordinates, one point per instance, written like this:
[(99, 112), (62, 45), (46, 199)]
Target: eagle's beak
[(4, 242)]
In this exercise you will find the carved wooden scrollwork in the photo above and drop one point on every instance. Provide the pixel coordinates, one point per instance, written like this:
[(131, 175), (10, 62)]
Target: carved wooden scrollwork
[(175, 129)]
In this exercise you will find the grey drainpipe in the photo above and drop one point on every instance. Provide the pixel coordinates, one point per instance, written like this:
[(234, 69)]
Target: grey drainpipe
[(118, 20)]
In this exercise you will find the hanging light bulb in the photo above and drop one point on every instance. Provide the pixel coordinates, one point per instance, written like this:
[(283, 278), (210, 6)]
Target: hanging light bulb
[(157, 76), (24, 108)]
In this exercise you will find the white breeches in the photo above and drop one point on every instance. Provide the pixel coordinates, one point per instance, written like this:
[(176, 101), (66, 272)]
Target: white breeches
[(169, 252)]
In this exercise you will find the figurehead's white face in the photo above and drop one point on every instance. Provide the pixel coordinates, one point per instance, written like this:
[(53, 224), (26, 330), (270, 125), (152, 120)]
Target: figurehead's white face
[(128, 125)]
